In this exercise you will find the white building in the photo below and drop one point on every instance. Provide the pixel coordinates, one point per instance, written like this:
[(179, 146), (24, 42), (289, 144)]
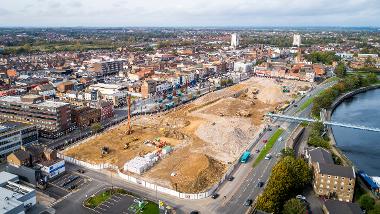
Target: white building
[(163, 86), (242, 67), (14, 197), (234, 40), (296, 40), (53, 168)]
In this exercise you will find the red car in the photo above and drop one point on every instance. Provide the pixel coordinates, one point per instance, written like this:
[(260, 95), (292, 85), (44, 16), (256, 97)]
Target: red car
[(265, 141)]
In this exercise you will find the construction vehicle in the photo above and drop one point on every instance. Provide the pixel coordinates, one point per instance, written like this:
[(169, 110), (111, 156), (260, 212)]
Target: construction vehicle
[(105, 150)]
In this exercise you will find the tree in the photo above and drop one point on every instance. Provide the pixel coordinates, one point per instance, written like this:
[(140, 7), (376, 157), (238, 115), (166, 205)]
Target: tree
[(366, 202), (340, 70), (294, 206), (96, 127), (288, 178), (372, 78), (287, 152), (375, 210)]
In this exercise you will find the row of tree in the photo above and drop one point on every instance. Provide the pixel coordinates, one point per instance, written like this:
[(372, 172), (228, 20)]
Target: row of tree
[(288, 178), (323, 57), (352, 82)]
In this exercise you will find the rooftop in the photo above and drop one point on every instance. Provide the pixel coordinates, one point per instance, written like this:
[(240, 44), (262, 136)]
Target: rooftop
[(48, 103), (341, 207), (336, 170), (321, 155), (11, 126)]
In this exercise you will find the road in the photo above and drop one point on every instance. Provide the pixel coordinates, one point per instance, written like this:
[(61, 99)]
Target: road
[(243, 187)]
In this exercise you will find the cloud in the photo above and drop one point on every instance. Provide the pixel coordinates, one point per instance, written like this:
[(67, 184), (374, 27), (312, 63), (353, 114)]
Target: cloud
[(190, 13)]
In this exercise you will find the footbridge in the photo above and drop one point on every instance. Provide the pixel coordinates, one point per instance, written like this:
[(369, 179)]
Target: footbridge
[(331, 123)]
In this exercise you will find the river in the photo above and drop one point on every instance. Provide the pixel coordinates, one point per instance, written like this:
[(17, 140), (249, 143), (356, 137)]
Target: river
[(361, 147)]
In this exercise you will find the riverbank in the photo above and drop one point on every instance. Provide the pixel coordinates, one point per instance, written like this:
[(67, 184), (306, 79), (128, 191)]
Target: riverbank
[(338, 101)]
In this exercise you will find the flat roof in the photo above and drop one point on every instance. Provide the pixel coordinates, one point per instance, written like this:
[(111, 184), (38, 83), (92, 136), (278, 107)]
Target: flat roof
[(11, 126), (47, 103), (6, 176)]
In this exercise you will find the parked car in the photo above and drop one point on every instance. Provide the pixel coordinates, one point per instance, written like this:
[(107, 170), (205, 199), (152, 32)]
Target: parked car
[(80, 171), (230, 178), (215, 195), (260, 184), (248, 202), (301, 197), (194, 212), (265, 141), (268, 157), (257, 150)]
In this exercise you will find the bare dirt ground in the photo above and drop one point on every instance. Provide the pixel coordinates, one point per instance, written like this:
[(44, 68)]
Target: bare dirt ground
[(207, 134)]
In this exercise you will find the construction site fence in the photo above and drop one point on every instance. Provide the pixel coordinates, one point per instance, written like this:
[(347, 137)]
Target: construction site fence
[(156, 187)]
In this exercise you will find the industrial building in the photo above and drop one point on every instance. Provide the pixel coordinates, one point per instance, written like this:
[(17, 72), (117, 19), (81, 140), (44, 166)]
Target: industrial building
[(13, 135), (51, 118), (14, 197)]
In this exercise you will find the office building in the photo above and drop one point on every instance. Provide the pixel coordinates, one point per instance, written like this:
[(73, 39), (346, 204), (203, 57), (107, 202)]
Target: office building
[(13, 135), (14, 197), (234, 40), (51, 118), (108, 68), (296, 40)]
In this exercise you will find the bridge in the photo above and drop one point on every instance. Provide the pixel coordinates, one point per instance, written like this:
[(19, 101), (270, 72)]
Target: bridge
[(331, 123)]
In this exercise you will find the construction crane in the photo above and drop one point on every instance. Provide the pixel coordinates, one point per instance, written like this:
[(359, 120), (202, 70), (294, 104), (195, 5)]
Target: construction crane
[(129, 131)]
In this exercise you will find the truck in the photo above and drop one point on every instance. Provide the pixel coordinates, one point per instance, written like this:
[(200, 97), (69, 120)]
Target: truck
[(244, 158)]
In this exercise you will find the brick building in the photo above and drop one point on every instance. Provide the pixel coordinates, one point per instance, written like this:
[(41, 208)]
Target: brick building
[(330, 180), (85, 116), (51, 118)]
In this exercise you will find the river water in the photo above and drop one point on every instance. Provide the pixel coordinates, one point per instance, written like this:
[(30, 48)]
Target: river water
[(361, 147)]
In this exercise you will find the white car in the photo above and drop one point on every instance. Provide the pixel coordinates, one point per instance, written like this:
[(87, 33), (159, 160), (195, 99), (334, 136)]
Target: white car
[(301, 197), (268, 157)]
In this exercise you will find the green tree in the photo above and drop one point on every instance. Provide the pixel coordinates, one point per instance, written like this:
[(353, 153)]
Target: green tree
[(375, 210), (294, 206), (340, 70), (96, 127), (366, 202), (289, 176), (287, 152), (372, 78)]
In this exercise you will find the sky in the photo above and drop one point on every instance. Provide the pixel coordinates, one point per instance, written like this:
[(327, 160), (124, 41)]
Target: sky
[(120, 13)]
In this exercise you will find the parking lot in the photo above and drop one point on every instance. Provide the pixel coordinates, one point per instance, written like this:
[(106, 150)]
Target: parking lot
[(64, 184), (117, 204)]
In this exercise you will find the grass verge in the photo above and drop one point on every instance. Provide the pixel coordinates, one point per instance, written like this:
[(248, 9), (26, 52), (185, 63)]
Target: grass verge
[(151, 208), (306, 104), (268, 146), (103, 196)]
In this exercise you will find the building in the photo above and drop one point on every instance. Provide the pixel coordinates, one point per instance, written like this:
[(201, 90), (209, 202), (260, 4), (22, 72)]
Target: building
[(297, 40), (38, 161), (234, 40), (13, 135), (85, 116), (242, 67), (341, 207), (14, 197), (334, 181), (108, 68), (51, 118), (65, 86), (148, 88), (106, 109), (46, 90), (330, 180)]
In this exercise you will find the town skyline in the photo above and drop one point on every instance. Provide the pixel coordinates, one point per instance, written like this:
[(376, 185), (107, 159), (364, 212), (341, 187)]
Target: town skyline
[(52, 13)]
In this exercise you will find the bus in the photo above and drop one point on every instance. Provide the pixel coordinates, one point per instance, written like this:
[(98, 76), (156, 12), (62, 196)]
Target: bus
[(244, 158)]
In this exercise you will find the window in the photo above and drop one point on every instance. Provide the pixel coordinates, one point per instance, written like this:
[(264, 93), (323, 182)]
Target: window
[(320, 190), (329, 176)]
